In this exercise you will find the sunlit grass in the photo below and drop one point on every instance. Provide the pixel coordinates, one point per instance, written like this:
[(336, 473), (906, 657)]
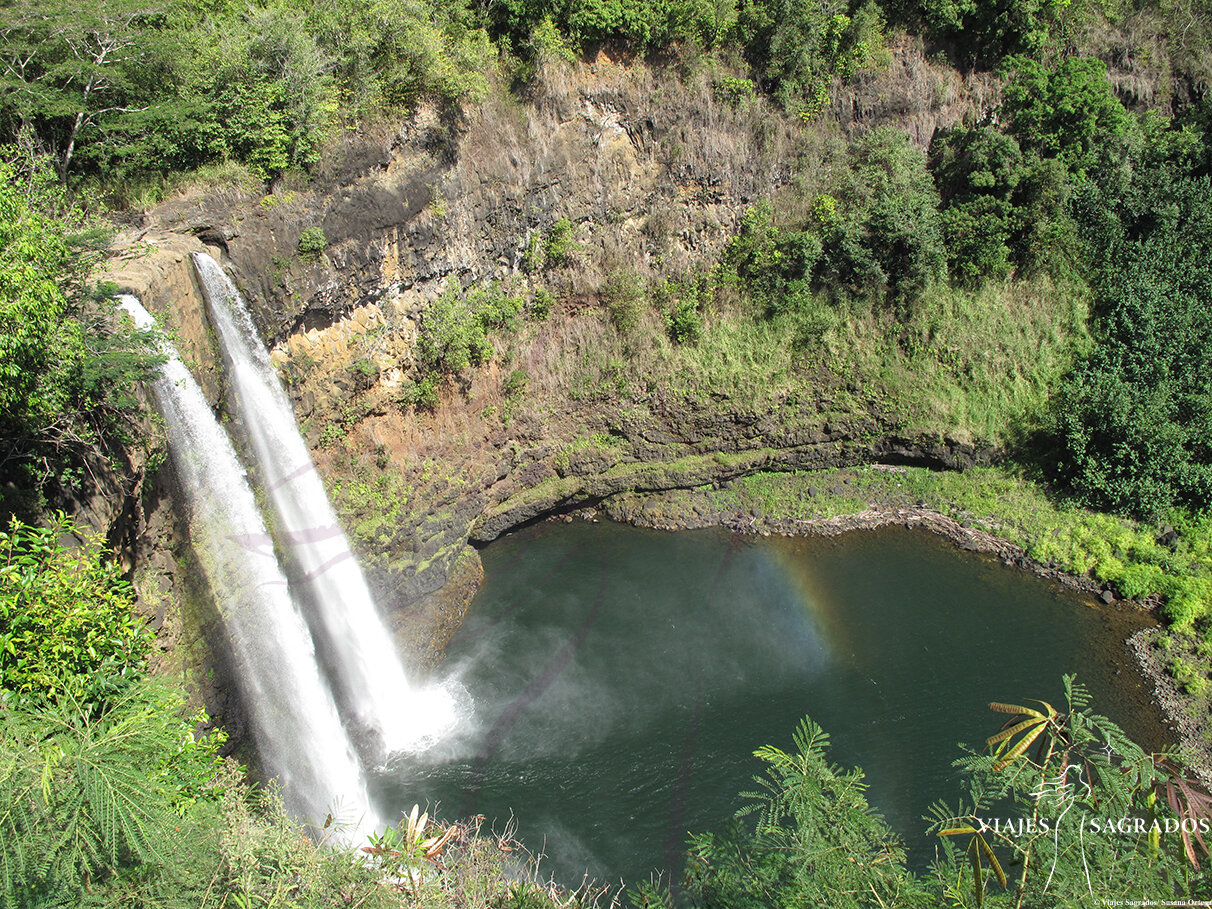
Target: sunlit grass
[(973, 366), (976, 365)]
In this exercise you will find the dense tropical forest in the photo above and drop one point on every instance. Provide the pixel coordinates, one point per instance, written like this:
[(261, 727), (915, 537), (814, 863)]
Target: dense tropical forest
[(1088, 185)]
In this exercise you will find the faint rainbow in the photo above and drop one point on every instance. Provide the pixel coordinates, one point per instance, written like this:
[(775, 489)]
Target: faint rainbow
[(794, 557)]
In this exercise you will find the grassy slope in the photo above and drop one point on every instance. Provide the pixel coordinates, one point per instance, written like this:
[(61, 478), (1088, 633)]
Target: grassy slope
[(973, 366)]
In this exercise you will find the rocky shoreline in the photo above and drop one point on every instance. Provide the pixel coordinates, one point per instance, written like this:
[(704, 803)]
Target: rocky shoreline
[(1189, 730)]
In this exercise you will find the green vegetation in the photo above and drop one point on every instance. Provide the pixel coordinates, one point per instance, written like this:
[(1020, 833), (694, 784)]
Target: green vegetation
[(624, 294), (815, 838), (1109, 207), (877, 237), (1055, 782), (112, 802), (121, 90), (889, 242), (369, 504), (556, 249), (454, 329), (312, 242), (130, 808), (67, 370), (66, 629), (1066, 111), (539, 308), (1132, 419), (800, 48), (682, 304), (560, 246), (1002, 210)]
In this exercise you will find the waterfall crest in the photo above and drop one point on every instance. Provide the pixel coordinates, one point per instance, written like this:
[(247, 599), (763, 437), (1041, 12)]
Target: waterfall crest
[(363, 660), (298, 730)]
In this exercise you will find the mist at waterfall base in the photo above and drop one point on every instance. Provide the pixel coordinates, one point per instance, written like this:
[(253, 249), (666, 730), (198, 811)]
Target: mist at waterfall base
[(622, 678)]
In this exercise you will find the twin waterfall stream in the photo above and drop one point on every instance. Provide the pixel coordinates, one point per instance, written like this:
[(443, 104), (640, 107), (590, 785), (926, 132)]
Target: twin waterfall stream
[(324, 688)]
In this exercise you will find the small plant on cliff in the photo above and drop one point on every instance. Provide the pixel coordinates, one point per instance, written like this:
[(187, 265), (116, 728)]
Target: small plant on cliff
[(331, 434), (540, 306), (312, 242), (624, 296), (534, 256), (683, 321), (454, 330), (422, 394), (512, 389), (681, 303), (734, 91), (561, 247), (515, 384)]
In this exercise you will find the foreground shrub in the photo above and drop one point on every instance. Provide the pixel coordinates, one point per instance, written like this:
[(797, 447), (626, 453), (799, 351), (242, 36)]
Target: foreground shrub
[(1062, 782), (454, 329), (66, 627), (120, 799)]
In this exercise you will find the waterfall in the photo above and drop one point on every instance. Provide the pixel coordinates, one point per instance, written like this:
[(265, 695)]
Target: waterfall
[(298, 731), (366, 668)]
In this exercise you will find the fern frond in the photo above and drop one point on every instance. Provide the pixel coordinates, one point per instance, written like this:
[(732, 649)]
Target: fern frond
[(1077, 694)]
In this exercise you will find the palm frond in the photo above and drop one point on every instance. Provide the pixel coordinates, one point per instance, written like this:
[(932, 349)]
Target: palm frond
[(1190, 802), (1031, 727)]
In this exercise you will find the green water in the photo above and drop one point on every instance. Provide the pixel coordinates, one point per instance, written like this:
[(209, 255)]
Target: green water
[(621, 679)]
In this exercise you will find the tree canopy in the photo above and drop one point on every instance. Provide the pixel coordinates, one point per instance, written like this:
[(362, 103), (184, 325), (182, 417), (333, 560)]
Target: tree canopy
[(67, 369)]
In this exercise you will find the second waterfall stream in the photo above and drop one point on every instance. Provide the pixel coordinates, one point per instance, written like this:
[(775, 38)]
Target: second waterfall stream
[(299, 735), (367, 673)]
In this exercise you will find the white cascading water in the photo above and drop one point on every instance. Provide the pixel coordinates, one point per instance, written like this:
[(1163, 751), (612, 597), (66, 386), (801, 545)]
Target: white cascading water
[(367, 668), (298, 731)]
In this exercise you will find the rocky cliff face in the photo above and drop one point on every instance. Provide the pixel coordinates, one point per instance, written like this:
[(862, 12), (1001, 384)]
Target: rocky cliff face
[(155, 266), (652, 173)]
